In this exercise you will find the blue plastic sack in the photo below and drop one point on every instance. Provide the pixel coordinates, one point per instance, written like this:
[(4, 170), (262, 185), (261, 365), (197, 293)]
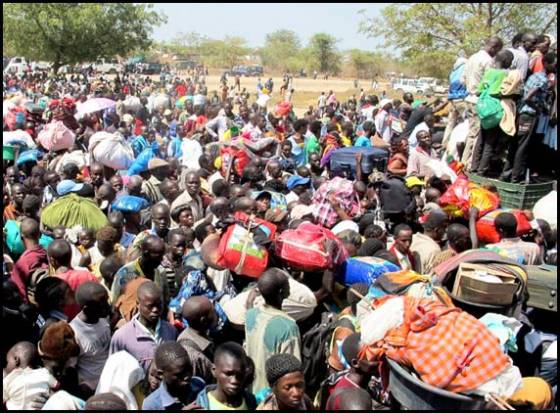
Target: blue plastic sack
[(31, 155), (364, 270), (129, 203), (141, 162)]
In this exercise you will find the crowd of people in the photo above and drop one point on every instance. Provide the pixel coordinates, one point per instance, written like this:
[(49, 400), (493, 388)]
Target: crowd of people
[(177, 249)]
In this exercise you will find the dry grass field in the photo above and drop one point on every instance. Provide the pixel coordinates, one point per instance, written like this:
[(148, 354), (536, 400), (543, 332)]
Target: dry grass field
[(307, 90)]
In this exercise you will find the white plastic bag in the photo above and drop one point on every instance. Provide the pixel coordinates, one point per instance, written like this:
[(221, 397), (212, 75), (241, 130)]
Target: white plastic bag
[(18, 137), (375, 325), (111, 150)]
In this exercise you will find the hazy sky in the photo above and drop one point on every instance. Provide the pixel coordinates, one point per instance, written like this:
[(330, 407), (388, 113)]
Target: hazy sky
[(254, 21)]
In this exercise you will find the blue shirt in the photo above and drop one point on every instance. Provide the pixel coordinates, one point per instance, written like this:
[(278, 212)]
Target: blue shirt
[(298, 152), (537, 81), (363, 141), (160, 399)]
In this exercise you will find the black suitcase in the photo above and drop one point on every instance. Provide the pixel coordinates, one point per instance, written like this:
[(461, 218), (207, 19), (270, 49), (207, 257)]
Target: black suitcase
[(344, 160)]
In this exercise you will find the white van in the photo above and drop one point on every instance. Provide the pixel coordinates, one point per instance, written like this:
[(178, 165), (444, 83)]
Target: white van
[(106, 65), (403, 85), (16, 65)]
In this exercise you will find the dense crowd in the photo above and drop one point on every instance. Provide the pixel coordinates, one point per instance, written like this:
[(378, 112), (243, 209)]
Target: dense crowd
[(167, 247)]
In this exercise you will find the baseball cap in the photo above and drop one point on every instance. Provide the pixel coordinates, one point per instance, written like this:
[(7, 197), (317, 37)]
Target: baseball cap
[(295, 180), (67, 186), (157, 163), (414, 181)]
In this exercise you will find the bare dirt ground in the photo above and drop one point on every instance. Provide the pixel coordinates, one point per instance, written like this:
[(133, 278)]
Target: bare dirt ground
[(307, 90)]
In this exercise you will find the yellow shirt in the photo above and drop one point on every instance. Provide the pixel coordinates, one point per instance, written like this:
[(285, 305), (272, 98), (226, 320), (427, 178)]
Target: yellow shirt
[(214, 404)]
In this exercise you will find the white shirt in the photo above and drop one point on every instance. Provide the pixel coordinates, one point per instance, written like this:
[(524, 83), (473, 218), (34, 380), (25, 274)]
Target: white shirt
[(382, 125), (322, 101), (475, 67), (21, 386), (412, 141), (192, 151)]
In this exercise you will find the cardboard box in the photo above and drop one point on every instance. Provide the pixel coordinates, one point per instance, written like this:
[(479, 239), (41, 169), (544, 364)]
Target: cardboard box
[(478, 291)]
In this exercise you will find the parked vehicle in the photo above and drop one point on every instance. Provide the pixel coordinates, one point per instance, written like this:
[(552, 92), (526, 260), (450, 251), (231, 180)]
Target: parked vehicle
[(16, 65), (255, 70), (403, 85), (153, 69), (106, 65), (184, 64), (237, 71)]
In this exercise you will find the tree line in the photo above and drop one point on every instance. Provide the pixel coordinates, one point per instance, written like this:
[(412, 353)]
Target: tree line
[(420, 39)]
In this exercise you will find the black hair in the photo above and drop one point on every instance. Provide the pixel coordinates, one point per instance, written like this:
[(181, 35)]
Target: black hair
[(506, 224), (436, 219), (232, 349), (175, 232), (168, 352), (86, 291), (201, 231), (458, 237), (300, 123), (370, 247), (401, 228), (549, 58), (50, 293), (351, 347), (517, 38), (270, 282), (279, 365), (373, 231)]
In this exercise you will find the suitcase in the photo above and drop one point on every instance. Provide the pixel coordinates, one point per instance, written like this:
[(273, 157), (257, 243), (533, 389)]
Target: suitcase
[(344, 160), (542, 285)]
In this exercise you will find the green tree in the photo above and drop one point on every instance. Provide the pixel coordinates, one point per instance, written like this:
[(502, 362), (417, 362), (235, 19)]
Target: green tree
[(324, 54), (71, 33), (224, 53), (279, 50), (426, 33), (365, 64)]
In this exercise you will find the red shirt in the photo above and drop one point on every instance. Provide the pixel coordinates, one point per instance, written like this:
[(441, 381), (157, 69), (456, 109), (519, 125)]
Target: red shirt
[(29, 261), (75, 278), (343, 383), (181, 90)]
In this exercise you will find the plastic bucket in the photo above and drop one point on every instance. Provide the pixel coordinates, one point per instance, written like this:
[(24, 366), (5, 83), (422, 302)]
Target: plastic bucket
[(413, 394)]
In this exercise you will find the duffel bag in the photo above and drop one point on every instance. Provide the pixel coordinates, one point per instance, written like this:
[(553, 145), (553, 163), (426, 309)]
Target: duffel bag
[(364, 270), (56, 136), (239, 157), (304, 249), (111, 150), (486, 229), (238, 248)]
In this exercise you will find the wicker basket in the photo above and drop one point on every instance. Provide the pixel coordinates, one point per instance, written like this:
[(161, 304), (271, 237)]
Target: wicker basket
[(516, 196)]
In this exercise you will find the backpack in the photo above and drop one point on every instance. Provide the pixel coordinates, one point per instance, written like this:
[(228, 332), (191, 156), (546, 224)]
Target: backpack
[(36, 277), (395, 197), (489, 110), (457, 89), (314, 348)]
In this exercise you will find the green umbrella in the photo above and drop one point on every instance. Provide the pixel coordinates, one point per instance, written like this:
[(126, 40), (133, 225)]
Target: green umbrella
[(72, 210)]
